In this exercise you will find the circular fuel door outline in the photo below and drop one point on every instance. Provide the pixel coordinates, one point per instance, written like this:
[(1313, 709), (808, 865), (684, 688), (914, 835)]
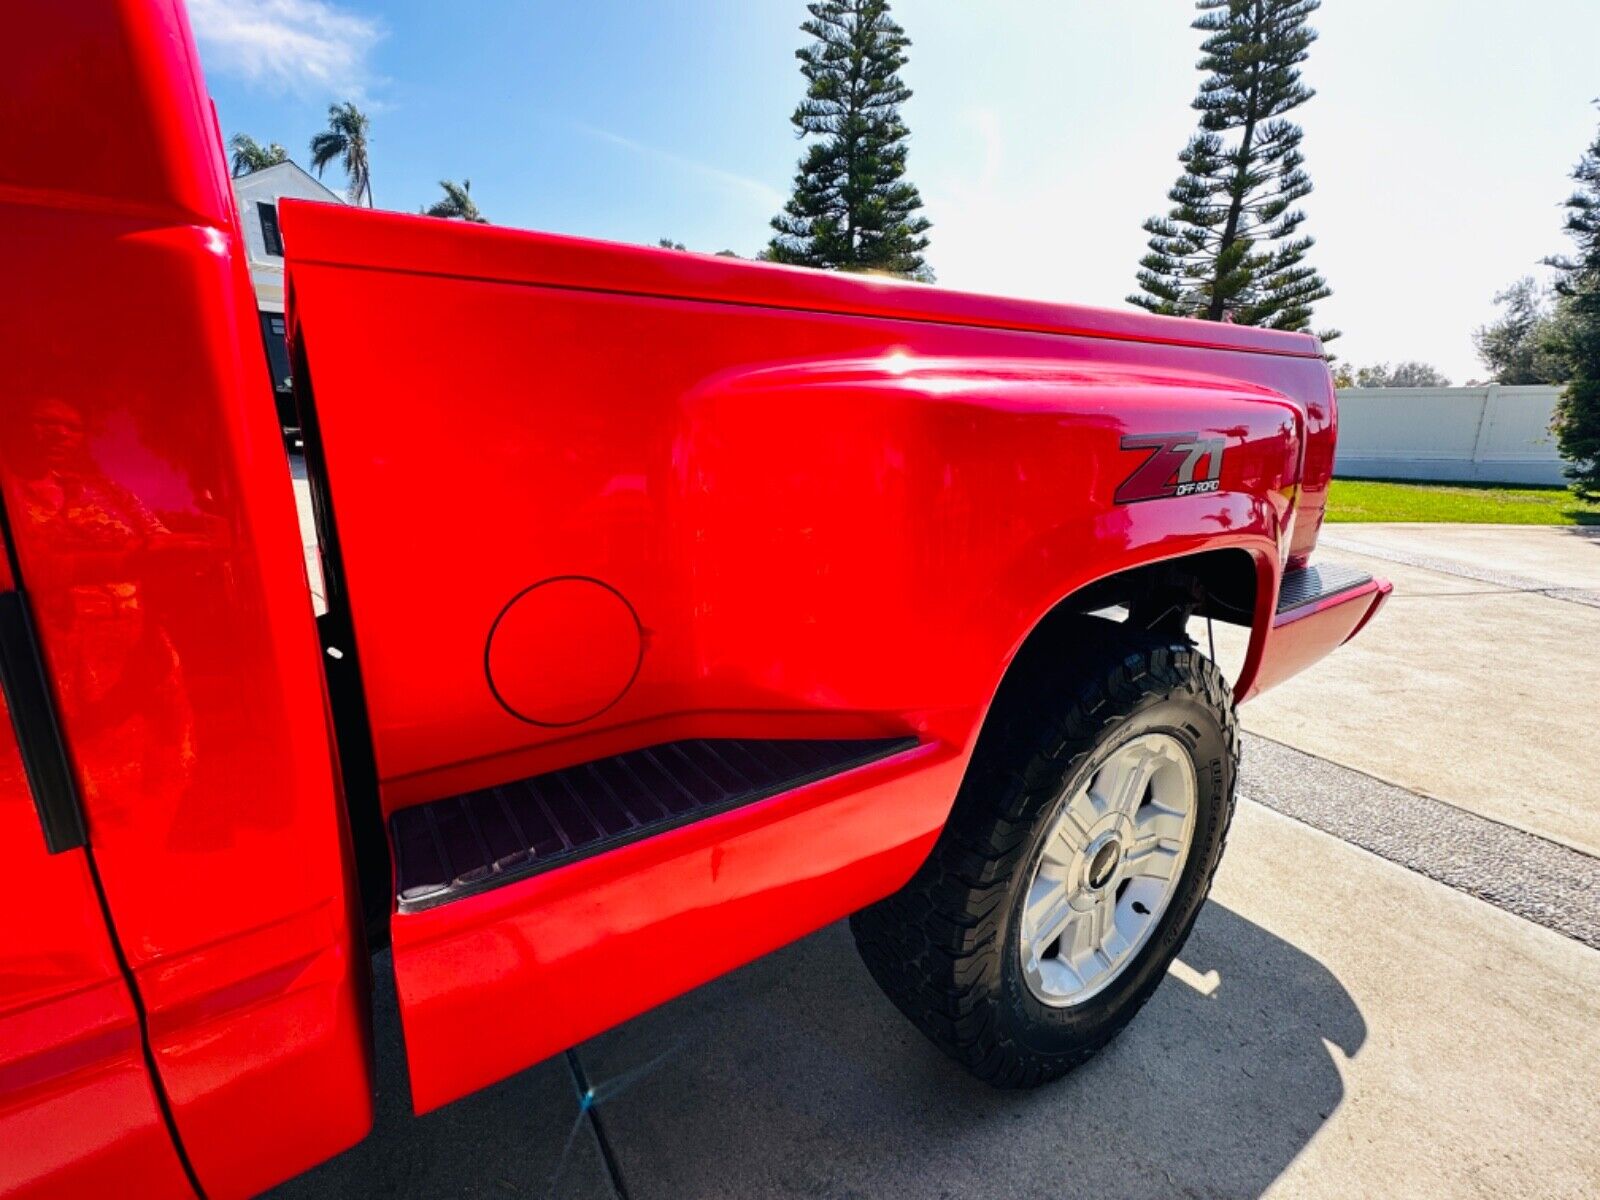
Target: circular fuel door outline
[(600, 607)]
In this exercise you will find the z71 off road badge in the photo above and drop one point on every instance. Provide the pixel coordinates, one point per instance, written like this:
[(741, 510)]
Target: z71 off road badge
[(1172, 468)]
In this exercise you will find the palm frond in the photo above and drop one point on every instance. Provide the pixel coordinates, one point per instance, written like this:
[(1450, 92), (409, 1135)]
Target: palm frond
[(456, 204), (345, 138), (249, 155)]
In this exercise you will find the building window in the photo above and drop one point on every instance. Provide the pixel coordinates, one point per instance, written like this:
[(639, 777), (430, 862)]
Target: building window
[(272, 333), (269, 228)]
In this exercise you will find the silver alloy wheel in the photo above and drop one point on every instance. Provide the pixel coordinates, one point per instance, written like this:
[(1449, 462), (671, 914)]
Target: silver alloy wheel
[(1107, 869)]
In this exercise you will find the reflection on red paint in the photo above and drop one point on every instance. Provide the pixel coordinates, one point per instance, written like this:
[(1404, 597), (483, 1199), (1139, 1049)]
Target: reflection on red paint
[(70, 1056), (119, 672)]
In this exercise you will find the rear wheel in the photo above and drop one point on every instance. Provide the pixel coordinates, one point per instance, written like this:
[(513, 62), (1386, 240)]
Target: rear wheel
[(1074, 863)]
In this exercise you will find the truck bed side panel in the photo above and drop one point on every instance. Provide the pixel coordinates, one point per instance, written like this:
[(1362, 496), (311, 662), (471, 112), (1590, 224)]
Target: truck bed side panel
[(575, 521), (794, 506)]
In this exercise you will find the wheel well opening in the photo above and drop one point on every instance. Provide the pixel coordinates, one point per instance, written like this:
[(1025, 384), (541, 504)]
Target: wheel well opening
[(1159, 598)]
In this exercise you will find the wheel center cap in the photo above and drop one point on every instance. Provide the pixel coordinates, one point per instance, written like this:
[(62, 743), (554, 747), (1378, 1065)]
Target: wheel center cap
[(1104, 863)]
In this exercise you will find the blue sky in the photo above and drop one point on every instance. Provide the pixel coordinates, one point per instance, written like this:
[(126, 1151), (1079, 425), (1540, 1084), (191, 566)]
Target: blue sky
[(1043, 131)]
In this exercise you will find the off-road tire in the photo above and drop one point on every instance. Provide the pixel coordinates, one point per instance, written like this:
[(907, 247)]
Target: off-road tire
[(945, 947)]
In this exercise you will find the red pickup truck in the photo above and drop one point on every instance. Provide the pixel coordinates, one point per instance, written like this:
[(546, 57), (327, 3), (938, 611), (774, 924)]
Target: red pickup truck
[(675, 607)]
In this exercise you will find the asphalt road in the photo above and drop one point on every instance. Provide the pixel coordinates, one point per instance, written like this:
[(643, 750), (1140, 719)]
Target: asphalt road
[(1395, 989)]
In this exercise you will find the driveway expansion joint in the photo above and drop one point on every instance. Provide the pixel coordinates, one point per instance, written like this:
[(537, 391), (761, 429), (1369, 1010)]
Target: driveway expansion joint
[(1542, 881), (1447, 566), (589, 1108)]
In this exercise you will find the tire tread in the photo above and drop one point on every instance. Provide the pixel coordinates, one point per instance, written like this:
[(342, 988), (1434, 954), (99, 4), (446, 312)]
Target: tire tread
[(933, 947)]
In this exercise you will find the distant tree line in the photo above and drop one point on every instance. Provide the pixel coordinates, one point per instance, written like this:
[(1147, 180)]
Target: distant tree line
[(1381, 375)]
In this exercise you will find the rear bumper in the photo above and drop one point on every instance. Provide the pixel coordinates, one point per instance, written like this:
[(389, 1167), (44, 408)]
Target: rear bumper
[(1319, 609)]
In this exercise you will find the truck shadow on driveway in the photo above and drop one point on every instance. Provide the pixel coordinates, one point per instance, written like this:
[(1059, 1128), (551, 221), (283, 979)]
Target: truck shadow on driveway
[(795, 1077)]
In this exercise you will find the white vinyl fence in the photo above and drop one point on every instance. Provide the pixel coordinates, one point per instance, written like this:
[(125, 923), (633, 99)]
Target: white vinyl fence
[(1488, 434)]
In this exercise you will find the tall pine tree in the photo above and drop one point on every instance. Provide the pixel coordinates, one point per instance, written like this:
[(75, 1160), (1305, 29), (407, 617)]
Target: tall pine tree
[(1230, 247), (852, 209), (1578, 284)]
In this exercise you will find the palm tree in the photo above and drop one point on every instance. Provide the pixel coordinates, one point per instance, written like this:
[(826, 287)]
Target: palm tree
[(345, 138), (457, 203), (250, 155)]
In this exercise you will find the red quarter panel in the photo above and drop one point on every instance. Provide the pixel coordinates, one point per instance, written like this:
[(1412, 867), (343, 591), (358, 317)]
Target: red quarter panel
[(795, 504), (592, 497)]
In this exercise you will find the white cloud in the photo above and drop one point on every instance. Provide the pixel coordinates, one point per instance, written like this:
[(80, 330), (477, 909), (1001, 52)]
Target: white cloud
[(755, 188), (287, 45)]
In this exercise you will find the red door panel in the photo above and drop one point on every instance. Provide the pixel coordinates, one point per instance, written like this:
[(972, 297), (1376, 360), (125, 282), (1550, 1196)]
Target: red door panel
[(78, 1114), (152, 513)]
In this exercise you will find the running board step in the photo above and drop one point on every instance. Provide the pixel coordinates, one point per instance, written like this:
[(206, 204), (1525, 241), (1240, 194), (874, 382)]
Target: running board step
[(460, 845), (1311, 584)]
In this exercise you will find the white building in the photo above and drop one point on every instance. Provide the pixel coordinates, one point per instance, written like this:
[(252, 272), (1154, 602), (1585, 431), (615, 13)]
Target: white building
[(257, 196)]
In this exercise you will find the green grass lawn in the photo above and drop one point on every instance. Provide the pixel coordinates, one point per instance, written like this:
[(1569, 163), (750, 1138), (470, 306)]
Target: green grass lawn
[(1464, 503)]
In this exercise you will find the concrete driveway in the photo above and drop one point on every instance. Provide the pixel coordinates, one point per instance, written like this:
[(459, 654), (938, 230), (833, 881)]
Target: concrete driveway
[(1476, 683), (1395, 989)]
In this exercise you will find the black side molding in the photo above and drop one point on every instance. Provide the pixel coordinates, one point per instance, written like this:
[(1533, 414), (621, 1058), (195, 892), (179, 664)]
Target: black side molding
[(33, 717), (460, 845), (1311, 584)]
